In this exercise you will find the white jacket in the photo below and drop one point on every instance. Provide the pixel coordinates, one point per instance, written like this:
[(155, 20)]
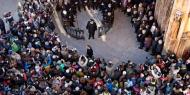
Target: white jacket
[(81, 63)]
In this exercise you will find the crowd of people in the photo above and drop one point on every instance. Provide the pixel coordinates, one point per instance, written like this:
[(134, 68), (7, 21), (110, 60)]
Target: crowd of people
[(149, 35), (33, 62), (69, 9)]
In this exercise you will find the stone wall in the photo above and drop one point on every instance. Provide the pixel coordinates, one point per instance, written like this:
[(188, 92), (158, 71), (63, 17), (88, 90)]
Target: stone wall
[(162, 12), (174, 19)]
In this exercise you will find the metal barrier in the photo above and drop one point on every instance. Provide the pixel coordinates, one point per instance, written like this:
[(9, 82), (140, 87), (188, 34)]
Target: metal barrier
[(79, 34), (75, 32)]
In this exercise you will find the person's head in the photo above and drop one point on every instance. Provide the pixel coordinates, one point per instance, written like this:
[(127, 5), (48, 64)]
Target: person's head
[(109, 13), (147, 26), (89, 47), (156, 38), (135, 6), (64, 12), (160, 41), (124, 73), (140, 5), (109, 5), (91, 21)]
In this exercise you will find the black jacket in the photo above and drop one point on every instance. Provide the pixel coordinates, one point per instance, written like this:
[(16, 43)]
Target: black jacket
[(89, 53), (2, 24), (91, 27)]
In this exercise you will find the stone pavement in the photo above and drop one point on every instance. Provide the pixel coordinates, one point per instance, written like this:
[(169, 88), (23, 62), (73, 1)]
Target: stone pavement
[(119, 45)]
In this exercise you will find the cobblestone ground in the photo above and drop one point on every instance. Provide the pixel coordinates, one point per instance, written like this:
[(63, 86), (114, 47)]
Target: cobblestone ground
[(120, 42), (119, 45)]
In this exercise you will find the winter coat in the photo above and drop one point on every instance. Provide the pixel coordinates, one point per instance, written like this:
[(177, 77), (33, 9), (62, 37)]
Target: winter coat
[(109, 70), (89, 53), (83, 63), (159, 48), (2, 24), (91, 27), (148, 42)]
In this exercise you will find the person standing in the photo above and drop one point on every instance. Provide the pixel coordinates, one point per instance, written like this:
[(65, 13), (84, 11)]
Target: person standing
[(91, 27), (76, 4), (154, 45), (94, 4), (148, 42), (109, 17), (9, 18), (142, 36), (159, 47), (89, 52), (2, 26), (85, 3)]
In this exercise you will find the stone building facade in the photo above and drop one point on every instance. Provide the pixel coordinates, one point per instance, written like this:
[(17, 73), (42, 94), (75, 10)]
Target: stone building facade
[(174, 18)]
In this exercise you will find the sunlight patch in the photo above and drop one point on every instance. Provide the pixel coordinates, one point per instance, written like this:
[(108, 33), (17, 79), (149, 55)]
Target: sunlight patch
[(103, 37)]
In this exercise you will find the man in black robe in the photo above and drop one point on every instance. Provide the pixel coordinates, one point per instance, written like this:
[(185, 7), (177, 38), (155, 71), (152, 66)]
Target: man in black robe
[(91, 27), (89, 52)]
